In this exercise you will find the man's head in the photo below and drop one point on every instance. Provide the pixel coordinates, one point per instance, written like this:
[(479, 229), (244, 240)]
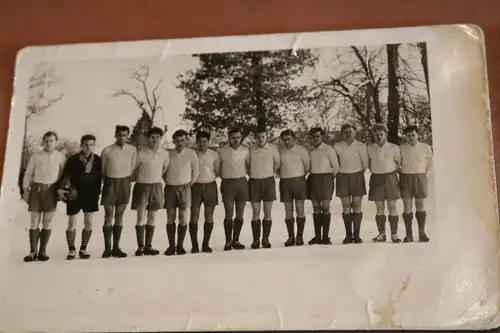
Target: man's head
[(121, 134), (155, 134), (316, 134), (87, 144), (260, 137), (348, 132), (411, 133), (235, 136), (288, 138), (203, 140), (49, 141), (379, 132), (180, 138)]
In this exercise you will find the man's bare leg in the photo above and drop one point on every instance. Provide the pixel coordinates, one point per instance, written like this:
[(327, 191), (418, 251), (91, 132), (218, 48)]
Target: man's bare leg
[(45, 235), (290, 223), (238, 224), (71, 236), (107, 230), (317, 223), (86, 234), (393, 220), (34, 234), (228, 223), (357, 217), (140, 232), (117, 231), (408, 219), (267, 223), (380, 219), (301, 221), (347, 217), (421, 216), (256, 225), (181, 231), (193, 228), (171, 228), (325, 222), (207, 229)]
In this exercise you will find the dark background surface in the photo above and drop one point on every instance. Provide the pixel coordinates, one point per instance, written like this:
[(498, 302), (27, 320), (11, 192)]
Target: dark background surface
[(35, 22)]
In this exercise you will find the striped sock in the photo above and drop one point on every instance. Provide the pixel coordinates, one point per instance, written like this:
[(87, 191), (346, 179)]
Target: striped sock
[(85, 238), (70, 239)]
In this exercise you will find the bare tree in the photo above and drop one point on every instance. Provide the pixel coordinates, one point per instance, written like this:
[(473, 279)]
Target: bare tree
[(147, 100)]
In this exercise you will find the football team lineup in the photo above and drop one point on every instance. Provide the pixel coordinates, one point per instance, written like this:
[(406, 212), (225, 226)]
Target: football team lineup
[(124, 173)]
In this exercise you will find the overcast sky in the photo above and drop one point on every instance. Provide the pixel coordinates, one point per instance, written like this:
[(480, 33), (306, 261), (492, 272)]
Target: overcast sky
[(88, 107)]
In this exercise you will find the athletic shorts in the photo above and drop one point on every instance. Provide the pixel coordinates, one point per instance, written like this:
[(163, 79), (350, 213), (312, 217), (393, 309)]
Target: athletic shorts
[(116, 191), (147, 197), (350, 184), (42, 198), (293, 189), (177, 196), (320, 186), (262, 189), (204, 193), (413, 185), (384, 186), (234, 190)]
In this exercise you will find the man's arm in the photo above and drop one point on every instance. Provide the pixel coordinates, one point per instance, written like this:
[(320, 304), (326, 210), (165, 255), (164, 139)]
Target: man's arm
[(334, 160), (134, 161), (195, 168), (397, 157), (306, 160), (66, 174), (104, 160), (217, 164), (29, 173), (363, 154), (276, 160), (98, 178), (430, 159)]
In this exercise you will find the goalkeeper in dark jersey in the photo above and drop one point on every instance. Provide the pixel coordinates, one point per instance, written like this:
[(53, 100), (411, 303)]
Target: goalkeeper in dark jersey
[(80, 188)]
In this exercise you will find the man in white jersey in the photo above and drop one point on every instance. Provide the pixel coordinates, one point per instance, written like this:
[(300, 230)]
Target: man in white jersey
[(294, 166), (350, 186), (147, 195), (182, 172), (264, 163), (118, 161), (416, 162), (320, 184), (40, 192), (235, 161), (204, 191), (384, 161)]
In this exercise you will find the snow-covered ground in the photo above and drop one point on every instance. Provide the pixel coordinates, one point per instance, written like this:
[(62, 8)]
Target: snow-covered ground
[(308, 287)]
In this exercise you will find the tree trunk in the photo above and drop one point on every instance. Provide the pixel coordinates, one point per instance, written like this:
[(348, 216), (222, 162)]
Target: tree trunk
[(376, 104), (423, 60), (393, 99), (258, 98)]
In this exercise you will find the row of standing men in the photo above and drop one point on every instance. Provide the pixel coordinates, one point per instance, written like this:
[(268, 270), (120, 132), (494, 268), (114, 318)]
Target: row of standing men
[(248, 174)]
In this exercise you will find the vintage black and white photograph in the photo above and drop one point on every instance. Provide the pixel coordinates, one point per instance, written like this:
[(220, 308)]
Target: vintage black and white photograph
[(269, 188)]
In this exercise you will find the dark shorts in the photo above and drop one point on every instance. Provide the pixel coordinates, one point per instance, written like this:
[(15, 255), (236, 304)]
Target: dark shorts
[(206, 194), (293, 189), (177, 196), (384, 186), (320, 186), (42, 198), (116, 191), (413, 185), (350, 184), (85, 201), (147, 197), (234, 190), (262, 189)]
